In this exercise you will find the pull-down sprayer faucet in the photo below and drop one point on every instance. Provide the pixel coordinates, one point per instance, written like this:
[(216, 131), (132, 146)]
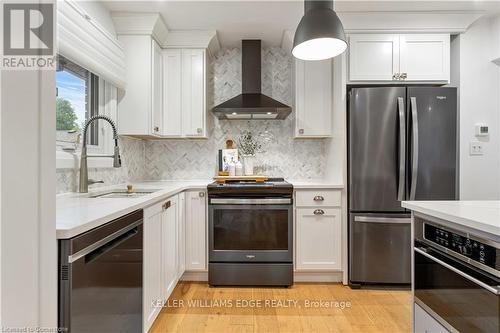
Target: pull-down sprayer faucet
[(84, 176)]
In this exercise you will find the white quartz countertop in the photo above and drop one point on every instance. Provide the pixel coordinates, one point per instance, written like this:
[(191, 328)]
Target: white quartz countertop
[(483, 216), (77, 213)]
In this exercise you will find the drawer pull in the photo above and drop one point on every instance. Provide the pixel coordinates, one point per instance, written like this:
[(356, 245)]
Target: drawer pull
[(319, 212), (319, 198)]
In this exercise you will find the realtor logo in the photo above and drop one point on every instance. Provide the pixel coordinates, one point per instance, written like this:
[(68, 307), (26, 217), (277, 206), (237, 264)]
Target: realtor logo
[(28, 29)]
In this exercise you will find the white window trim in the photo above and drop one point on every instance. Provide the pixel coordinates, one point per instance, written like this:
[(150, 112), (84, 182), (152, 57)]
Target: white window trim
[(108, 107)]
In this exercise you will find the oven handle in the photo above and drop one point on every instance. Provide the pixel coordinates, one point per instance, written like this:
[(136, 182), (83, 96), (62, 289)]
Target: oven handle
[(264, 201), (483, 285)]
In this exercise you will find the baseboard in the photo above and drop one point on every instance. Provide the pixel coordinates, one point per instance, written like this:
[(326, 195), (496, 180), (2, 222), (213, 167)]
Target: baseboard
[(317, 276), (201, 276), (336, 276)]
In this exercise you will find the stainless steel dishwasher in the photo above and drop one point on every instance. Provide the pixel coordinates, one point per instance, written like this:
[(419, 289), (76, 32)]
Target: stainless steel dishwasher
[(100, 278)]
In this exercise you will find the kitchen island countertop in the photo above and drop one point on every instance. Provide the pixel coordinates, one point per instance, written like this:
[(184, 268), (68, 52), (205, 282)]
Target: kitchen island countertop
[(479, 216)]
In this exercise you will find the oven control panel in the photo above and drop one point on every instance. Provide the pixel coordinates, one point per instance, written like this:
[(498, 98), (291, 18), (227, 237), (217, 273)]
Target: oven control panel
[(475, 250)]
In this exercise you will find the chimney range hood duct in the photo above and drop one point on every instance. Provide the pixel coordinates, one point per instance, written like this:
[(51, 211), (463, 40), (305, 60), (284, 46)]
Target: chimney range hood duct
[(251, 103)]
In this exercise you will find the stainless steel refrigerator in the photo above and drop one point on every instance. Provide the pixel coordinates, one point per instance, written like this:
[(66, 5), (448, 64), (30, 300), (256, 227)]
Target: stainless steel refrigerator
[(402, 146)]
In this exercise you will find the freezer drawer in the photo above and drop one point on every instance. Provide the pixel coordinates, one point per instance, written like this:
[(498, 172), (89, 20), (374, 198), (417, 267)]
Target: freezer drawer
[(380, 248)]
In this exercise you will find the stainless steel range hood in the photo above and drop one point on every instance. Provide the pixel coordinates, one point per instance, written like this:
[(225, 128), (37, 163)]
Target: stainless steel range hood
[(251, 103)]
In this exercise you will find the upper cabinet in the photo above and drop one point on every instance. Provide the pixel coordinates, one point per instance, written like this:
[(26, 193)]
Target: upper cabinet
[(185, 104), (399, 57), (425, 57), (140, 108), (313, 98), (166, 92)]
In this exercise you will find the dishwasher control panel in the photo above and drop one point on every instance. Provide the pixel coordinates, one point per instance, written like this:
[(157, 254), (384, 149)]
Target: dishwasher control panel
[(468, 247)]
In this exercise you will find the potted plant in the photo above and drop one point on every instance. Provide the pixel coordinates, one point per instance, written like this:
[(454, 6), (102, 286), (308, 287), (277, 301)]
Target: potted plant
[(248, 146)]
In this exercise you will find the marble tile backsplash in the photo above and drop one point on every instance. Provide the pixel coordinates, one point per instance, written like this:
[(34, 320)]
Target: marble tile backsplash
[(132, 153), (282, 155)]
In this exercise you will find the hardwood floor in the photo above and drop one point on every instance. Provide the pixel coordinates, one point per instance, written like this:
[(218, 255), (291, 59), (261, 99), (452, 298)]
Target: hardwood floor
[(203, 309)]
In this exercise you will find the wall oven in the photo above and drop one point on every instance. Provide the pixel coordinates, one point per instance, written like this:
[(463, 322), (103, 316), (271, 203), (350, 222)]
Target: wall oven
[(457, 278), (251, 234)]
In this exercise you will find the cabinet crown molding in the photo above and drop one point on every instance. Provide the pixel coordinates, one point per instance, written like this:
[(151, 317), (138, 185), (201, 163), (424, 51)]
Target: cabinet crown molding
[(205, 39), (128, 23)]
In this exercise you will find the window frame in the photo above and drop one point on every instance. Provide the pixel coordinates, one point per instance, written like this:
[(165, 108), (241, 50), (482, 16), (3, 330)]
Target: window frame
[(101, 99)]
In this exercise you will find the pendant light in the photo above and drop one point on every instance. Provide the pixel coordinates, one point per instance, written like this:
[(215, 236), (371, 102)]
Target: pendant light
[(320, 34)]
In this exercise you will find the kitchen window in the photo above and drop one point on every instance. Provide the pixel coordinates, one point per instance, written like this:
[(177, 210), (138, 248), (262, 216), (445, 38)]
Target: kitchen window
[(82, 94), (77, 100)]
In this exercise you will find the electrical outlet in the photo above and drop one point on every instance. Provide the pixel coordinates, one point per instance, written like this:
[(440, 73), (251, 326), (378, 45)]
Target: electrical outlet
[(476, 148)]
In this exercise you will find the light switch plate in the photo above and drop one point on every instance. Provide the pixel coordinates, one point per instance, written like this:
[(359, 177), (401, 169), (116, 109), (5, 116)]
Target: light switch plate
[(476, 148)]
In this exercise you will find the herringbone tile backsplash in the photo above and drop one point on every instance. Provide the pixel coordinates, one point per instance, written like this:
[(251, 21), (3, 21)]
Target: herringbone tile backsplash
[(282, 155), (196, 159)]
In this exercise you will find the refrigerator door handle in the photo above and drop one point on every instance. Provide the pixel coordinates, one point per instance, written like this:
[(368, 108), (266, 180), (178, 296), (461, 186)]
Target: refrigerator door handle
[(414, 147), (402, 148), (387, 220)]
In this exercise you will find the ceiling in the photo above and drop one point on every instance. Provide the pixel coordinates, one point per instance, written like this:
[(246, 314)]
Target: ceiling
[(267, 20)]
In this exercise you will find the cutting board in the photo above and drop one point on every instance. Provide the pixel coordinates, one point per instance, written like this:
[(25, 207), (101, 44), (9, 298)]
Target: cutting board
[(223, 179)]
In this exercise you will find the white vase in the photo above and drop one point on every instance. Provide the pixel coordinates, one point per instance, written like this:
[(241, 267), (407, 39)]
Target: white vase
[(248, 164)]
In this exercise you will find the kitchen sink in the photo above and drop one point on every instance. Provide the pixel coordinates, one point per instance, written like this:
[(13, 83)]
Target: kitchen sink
[(123, 194)]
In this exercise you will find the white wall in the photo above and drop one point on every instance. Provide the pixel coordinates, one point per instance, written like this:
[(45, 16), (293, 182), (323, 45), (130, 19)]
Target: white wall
[(101, 14), (479, 87), (28, 239)]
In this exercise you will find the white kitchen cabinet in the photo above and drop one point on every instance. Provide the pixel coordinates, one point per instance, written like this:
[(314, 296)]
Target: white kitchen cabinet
[(140, 109), (318, 238), (399, 57), (193, 93), (170, 246), (318, 230), (185, 93), (181, 234), (425, 57), (152, 266), (313, 98), (196, 233), (373, 57), (425, 323), (172, 121)]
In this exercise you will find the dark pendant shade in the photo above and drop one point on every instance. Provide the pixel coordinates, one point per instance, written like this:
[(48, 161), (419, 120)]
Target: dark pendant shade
[(320, 34)]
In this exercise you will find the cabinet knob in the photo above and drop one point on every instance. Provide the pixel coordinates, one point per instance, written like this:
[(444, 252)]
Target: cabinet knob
[(396, 76), (156, 128), (301, 131), (199, 130), (201, 194), (403, 76), (319, 198), (319, 212), (167, 205)]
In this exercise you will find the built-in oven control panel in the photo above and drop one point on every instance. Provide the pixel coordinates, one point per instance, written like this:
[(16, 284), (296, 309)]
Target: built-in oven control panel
[(471, 248)]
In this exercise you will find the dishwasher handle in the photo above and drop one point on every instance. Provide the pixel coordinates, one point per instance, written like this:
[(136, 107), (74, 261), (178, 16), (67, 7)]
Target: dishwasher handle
[(116, 236), (97, 253)]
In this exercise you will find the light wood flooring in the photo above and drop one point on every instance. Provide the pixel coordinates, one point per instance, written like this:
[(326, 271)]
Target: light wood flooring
[(203, 309)]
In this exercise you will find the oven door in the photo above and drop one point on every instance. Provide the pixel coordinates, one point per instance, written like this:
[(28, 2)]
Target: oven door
[(459, 296), (250, 230)]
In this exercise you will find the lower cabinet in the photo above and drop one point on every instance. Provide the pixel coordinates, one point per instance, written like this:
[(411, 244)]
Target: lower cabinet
[(174, 241), (152, 266), (318, 239), (170, 246), (196, 233), (161, 256), (318, 230)]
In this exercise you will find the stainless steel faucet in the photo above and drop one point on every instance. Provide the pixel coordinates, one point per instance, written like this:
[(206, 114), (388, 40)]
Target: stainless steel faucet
[(117, 162)]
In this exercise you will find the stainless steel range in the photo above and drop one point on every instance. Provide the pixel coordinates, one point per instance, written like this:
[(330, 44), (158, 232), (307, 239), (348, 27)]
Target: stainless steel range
[(251, 233)]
